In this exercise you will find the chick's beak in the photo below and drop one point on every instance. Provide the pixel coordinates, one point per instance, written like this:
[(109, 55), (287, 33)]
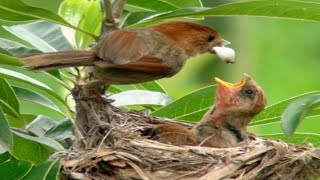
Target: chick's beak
[(226, 54), (225, 87)]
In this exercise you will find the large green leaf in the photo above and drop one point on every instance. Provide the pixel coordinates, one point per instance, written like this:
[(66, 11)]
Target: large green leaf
[(14, 169), (52, 5), (40, 126), (4, 157), (35, 108), (159, 5), (148, 86), (146, 5), (47, 170), (44, 141), (5, 133), (9, 60), (273, 113), (297, 111), (8, 99), (25, 79), (44, 36), (16, 10), (4, 34), (297, 138), (33, 149), (15, 48), (271, 8), (84, 14), (190, 107), (61, 131), (140, 97), (184, 4), (27, 95)]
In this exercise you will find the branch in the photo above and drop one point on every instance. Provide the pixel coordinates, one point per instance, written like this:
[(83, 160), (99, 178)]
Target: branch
[(112, 16)]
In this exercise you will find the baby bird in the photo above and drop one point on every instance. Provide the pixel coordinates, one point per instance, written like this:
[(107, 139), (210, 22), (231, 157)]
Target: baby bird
[(225, 124)]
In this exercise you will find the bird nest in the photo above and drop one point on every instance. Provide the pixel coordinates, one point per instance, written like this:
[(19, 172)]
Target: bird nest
[(111, 145)]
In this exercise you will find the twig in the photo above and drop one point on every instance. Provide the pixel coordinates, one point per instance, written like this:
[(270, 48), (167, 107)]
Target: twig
[(112, 16), (103, 139)]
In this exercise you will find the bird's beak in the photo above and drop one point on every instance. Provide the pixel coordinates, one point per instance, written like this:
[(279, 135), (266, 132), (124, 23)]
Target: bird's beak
[(224, 53), (224, 87)]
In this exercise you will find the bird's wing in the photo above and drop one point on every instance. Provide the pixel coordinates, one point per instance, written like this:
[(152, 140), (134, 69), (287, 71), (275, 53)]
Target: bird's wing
[(122, 47), (145, 64), (125, 49)]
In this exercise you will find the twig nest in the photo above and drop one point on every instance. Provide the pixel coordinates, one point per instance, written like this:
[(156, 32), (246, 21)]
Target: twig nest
[(110, 145)]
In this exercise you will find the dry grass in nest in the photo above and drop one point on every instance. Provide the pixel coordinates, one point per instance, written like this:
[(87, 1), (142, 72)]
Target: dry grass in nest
[(110, 146)]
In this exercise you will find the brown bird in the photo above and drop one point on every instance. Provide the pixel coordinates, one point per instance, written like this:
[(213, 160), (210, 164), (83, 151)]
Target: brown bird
[(171, 133), (225, 124), (138, 55)]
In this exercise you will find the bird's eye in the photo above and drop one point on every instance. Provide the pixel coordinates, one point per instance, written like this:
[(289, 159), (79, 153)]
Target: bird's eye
[(211, 38), (249, 91)]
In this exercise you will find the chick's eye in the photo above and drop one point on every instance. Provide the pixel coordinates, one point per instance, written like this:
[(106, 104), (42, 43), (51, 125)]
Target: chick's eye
[(211, 38), (249, 91)]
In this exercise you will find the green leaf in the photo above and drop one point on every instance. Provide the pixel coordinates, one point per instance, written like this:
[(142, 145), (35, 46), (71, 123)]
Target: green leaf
[(272, 8), (41, 140), (22, 122), (5, 133), (8, 99), (84, 14), (8, 60), (297, 138), (4, 34), (27, 95), (35, 108), (50, 5), (61, 131), (273, 113), (4, 157), (33, 149), (40, 126), (14, 169), (190, 107), (47, 170), (148, 86), (16, 10), (184, 4), (44, 36), (146, 5), (16, 49), (19, 77), (140, 97), (297, 111)]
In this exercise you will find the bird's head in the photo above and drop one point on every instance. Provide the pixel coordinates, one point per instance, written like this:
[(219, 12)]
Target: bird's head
[(245, 97), (198, 39)]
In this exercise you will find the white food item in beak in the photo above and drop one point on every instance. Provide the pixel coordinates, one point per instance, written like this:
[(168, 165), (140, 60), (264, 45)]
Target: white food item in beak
[(224, 53)]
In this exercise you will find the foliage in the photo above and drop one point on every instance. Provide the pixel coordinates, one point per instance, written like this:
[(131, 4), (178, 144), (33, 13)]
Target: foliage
[(31, 26)]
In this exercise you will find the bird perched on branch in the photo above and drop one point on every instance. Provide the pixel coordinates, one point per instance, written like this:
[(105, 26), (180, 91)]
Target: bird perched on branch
[(138, 55), (225, 124)]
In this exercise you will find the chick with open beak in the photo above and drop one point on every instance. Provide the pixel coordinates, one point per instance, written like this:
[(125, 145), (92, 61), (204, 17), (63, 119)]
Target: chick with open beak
[(224, 125)]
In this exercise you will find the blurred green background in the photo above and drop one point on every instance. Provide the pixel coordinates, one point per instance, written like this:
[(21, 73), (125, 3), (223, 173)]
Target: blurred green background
[(282, 55)]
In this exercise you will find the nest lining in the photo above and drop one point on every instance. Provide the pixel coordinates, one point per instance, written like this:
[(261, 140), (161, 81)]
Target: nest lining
[(110, 145)]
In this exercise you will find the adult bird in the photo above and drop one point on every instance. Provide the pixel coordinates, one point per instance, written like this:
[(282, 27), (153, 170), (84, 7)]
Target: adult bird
[(128, 56)]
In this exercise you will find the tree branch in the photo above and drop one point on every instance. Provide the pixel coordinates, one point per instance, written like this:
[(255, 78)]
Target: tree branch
[(112, 16)]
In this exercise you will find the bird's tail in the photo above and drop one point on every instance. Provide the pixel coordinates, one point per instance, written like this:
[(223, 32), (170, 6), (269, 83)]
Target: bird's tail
[(55, 60)]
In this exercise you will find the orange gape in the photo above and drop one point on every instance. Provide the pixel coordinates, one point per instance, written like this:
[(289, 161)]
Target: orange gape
[(138, 55), (225, 123)]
